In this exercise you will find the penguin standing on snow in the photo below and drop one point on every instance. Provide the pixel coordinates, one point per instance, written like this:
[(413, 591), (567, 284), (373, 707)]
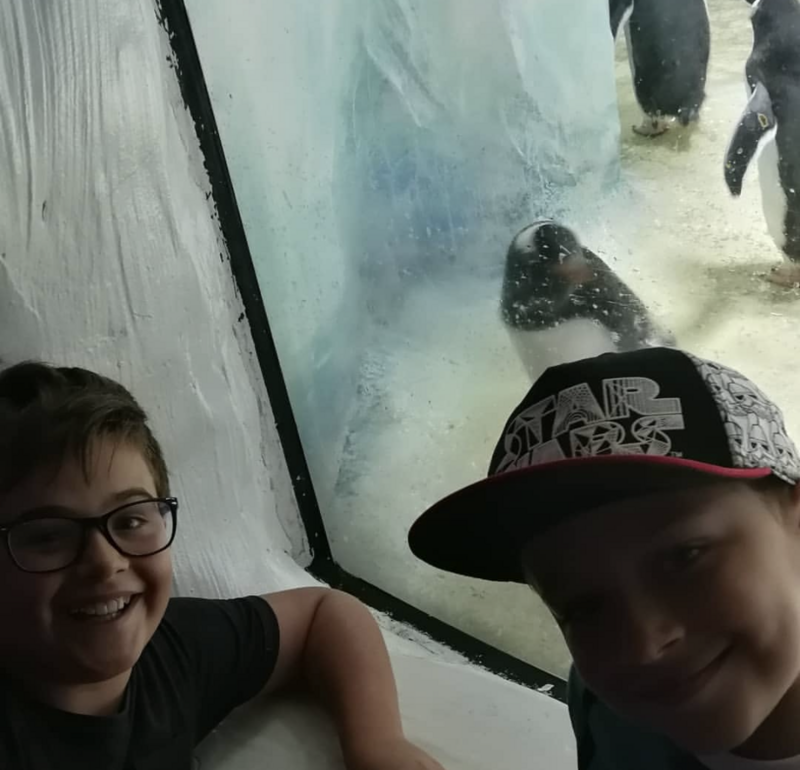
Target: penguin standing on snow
[(669, 43), (770, 127), (562, 302)]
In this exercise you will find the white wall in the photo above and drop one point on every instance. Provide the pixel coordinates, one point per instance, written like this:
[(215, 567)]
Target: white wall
[(466, 718), (110, 258)]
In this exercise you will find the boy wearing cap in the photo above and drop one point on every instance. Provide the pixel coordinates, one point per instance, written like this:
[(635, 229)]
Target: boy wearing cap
[(651, 499)]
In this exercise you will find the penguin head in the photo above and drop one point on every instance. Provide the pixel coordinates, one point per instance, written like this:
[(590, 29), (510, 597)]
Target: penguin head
[(550, 250), (545, 265)]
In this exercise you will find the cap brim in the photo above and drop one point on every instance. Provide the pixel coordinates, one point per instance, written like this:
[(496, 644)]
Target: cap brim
[(479, 531)]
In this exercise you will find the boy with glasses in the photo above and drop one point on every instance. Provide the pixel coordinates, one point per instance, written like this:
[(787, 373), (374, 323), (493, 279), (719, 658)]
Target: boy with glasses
[(99, 667)]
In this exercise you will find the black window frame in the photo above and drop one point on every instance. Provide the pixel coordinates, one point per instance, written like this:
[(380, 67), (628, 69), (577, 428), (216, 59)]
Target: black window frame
[(185, 60)]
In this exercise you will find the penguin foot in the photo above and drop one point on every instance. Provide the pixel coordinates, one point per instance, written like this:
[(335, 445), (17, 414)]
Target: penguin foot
[(786, 275), (652, 127)]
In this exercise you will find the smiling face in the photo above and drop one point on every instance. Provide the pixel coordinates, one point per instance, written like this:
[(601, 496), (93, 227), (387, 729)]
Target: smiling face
[(46, 641), (682, 612)]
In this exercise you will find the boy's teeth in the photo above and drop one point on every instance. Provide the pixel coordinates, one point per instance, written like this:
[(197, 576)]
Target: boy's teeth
[(104, 608)]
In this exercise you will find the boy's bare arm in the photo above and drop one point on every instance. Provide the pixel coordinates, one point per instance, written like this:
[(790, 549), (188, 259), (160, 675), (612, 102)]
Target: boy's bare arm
[(331, 644)]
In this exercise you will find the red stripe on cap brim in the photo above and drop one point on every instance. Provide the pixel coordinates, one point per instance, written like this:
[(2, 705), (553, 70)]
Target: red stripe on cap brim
[(479, 530)]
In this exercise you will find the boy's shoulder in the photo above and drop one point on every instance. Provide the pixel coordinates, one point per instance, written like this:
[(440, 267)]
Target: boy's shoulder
[(207, 657), (607, 741), (194, 628)]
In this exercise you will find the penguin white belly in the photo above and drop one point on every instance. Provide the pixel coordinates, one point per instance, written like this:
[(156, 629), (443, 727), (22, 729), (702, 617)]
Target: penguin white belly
[(569, 341), (773, 198)]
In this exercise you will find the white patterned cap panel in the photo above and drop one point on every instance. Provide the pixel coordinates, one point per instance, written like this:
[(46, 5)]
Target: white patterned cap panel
[(754, 424)]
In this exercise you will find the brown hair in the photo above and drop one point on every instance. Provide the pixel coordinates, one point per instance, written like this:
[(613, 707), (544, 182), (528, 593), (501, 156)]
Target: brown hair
[(48, 413)]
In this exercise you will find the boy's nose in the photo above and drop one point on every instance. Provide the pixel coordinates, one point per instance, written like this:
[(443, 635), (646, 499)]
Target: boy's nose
[(650, 632), (100, 560)]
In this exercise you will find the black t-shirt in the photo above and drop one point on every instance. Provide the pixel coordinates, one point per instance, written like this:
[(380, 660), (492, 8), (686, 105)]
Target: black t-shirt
[(206, 658)]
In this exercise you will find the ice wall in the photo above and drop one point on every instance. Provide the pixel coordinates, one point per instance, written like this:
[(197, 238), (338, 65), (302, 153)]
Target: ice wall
[(468, 120), (379, 144), (110, 258)]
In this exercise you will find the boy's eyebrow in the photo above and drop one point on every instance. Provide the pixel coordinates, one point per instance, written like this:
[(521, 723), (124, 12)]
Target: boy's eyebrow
[(41, 512), (63, 510), (127, 494)]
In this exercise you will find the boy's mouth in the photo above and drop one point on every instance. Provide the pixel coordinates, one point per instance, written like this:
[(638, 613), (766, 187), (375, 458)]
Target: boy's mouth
[(105, 611), (680, 687)]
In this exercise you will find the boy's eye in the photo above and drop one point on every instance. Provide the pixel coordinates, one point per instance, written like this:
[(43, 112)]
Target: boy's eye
[(130, 522), (43, 533), (684, 556)]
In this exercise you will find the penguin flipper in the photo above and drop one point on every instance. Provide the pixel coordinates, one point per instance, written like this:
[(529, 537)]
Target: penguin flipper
[(621, 11), (629, 319), (757, 122)]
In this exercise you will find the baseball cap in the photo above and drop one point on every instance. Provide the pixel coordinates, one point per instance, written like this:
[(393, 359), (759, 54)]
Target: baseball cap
[(599, 431)]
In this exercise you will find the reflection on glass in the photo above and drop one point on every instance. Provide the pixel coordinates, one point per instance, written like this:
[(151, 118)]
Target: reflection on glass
[(443, 197)]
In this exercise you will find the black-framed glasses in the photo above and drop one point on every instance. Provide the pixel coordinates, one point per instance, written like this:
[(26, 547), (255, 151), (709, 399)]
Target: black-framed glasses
[(52, 543)]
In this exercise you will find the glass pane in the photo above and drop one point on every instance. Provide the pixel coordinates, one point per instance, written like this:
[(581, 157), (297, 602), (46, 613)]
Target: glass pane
[(385, 153)]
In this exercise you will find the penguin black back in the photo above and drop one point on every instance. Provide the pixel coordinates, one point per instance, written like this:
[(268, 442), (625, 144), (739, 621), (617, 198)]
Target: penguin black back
[(551, 278), (669, 49)]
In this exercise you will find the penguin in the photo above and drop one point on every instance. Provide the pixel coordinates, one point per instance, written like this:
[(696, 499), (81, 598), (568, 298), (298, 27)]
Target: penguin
[(770, 128), (561, 302), (669, 44)]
